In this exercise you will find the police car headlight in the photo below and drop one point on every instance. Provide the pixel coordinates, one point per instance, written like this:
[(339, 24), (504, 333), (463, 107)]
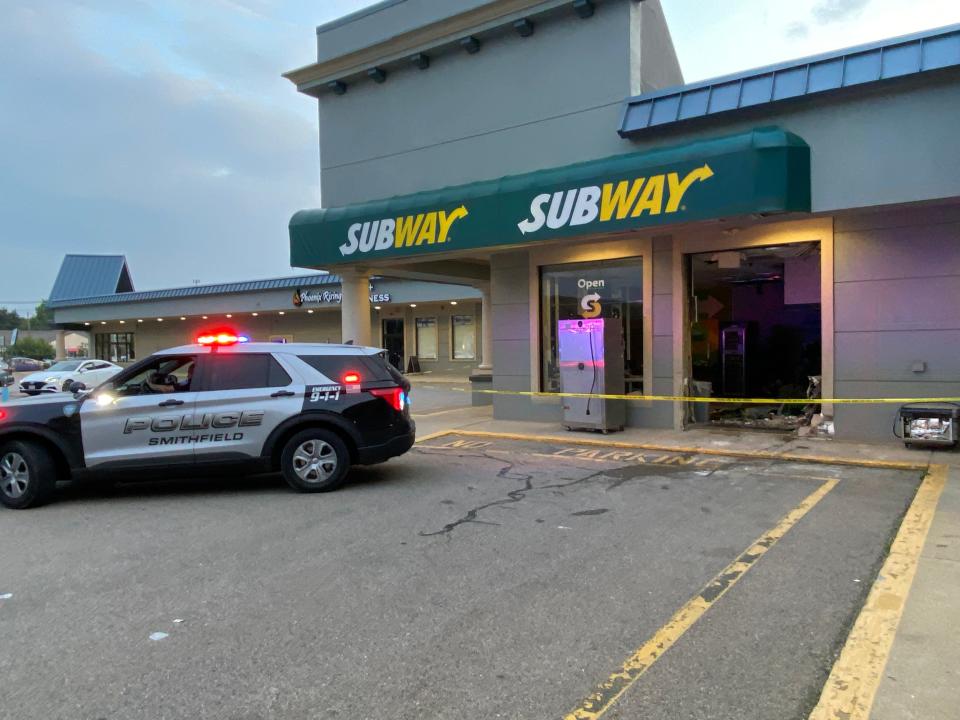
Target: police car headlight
[(51, 380)]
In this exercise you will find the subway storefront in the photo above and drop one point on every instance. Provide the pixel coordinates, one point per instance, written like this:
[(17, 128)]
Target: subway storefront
[(771, 236)]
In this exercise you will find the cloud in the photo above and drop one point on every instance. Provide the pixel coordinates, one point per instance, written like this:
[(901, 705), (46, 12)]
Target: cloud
[(187, 175), (796, 30), (829, 11)]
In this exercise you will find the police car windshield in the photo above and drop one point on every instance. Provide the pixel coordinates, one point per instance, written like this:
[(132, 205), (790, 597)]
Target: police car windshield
[(65, 366)]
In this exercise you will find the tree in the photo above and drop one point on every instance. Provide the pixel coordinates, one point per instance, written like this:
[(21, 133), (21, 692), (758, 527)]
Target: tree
[(10, 319), (42, 318), (30, 347)]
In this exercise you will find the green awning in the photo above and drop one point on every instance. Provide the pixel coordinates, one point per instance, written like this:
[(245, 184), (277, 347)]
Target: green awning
[(766, 170)]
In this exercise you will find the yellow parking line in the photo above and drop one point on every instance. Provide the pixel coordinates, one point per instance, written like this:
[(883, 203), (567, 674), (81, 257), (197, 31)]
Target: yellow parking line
[(690, 450), (852, 686), (434, 436), (610, 690)]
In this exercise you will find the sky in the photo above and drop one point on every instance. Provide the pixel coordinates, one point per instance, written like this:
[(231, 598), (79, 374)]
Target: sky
[(162, 130)]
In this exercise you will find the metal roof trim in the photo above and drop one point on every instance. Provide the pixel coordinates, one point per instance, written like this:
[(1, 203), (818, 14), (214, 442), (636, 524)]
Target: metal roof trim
[(200, 291), (855, 66)]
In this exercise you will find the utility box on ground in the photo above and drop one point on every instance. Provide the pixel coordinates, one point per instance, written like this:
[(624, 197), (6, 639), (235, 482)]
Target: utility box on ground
[(591, 363)]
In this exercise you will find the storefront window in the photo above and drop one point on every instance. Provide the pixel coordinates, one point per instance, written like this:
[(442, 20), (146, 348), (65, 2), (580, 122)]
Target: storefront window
[(427, 338), (464, 335), (115, 347), (611, 289)]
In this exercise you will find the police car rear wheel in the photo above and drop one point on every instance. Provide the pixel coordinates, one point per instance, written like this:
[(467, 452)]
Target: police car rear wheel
[(315, 460), (27, 475)]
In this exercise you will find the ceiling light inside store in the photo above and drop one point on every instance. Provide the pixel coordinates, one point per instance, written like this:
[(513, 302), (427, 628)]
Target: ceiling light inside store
[(453, 302), (413, 304), (159, 319), (281, 313), (376, 307), (139, 320), (123, 322), (182, 318), (103, 322), (309, 312), (87, 324)]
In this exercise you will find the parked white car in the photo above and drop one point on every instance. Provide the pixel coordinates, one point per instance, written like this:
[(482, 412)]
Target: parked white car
[(62, 376)]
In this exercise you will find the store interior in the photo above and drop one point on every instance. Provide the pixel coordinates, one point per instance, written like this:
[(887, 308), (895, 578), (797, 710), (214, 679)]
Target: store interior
[(756, 333)]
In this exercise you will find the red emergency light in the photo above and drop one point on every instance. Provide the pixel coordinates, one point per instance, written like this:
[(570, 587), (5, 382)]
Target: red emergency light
[(351, 378), (221, 339)]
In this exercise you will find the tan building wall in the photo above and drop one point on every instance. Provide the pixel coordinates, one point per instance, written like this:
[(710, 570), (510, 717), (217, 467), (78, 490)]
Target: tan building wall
[(321, 325)]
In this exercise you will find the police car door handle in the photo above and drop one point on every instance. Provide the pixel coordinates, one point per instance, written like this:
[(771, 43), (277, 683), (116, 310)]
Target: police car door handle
[(171, 403), (283, 393)]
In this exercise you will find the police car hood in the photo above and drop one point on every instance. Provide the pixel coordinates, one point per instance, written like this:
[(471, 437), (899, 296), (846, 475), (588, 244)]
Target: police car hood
[(50, 399)]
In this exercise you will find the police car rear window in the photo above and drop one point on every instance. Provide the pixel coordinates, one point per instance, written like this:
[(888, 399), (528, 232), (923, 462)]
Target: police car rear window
[(243, 371), (370, 367)]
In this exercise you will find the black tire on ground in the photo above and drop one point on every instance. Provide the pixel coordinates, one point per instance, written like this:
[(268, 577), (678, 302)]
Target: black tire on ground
[(28, 475), (315, 460)]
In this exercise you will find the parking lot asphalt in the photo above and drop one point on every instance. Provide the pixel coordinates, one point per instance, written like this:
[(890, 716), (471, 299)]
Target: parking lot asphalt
[(471, 578)]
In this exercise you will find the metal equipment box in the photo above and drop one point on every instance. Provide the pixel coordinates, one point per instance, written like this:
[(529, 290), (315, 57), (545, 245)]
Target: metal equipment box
[(591, 363), (929, 424)]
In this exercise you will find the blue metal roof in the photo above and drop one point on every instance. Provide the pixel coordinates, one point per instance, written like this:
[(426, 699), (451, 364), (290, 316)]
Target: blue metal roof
[(852, 67), (89, 275), (314, 280)]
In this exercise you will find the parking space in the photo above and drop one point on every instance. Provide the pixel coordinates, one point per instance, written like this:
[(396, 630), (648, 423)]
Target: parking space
[(473, 577)]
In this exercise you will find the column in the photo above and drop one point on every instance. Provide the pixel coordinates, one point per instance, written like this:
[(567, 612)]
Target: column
[(61, 344), (486, 326), (355, 306)]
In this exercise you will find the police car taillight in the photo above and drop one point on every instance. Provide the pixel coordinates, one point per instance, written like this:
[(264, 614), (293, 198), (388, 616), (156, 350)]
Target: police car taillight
[(395, 397), (221, 339), (351, 378), (3, 415)]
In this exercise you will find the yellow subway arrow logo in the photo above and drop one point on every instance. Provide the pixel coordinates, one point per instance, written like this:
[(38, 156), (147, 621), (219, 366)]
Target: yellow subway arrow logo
[(654, 195), (406, 231)]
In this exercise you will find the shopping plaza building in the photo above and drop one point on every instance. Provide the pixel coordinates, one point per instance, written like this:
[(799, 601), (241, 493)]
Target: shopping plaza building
[(775, 232), (93, 297)]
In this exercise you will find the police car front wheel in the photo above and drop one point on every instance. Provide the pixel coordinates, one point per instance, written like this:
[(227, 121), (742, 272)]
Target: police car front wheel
[(315, 460), (27, 475)]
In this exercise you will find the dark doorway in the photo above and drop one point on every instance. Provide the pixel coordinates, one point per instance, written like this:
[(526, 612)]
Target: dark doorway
[(393, 341), (755, 332)]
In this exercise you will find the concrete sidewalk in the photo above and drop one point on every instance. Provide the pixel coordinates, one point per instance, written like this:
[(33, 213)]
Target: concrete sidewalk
[(922, 676)]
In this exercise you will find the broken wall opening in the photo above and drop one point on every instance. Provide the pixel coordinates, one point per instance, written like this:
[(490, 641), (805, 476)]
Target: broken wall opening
[(755, 332)]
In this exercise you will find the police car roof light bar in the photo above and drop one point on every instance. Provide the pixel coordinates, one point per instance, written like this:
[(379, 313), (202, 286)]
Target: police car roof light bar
[(221, 339)]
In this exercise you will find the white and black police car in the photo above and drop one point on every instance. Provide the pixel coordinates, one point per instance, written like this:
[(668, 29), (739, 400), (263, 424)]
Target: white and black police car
[(308, 410)]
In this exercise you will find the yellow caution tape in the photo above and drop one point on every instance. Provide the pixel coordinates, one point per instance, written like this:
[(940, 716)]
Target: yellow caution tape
[(719, 400)]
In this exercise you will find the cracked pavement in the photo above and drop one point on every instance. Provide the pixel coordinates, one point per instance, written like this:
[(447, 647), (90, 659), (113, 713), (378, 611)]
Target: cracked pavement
[(467, 579)]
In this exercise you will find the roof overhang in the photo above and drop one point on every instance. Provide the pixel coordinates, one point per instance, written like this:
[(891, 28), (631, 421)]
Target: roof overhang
[(312, 79), (864, 67), (764, 171)]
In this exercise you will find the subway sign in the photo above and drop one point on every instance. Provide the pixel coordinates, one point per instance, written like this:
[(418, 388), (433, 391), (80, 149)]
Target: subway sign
[(764, 171)]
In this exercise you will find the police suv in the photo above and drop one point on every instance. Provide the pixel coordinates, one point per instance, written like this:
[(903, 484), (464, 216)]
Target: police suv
[(307, 410)]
